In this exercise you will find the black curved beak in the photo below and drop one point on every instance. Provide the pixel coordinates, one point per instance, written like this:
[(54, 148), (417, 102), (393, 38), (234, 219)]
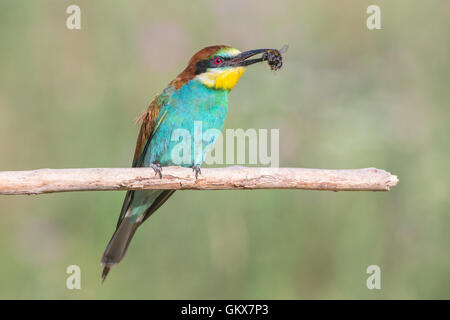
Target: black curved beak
[(242, 60)]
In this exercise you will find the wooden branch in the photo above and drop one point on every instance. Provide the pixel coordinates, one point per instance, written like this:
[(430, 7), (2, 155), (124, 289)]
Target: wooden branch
[(177, 178)]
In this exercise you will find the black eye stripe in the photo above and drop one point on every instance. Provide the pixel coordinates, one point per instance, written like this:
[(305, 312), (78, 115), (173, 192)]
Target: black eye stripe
[(223, 60), (203, 65)]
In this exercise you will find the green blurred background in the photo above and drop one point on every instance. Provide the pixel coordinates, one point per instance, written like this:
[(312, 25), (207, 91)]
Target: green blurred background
[(346, 98)]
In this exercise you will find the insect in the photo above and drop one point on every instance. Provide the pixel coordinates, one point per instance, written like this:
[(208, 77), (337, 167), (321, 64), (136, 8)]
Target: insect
[(274, 58)]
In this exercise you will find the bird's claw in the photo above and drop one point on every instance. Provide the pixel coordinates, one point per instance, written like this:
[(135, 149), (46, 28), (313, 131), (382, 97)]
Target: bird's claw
[(157, 168), (197, 170)]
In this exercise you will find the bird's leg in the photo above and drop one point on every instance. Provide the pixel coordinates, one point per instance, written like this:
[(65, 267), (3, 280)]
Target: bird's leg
[(157, 168), (196, 169)]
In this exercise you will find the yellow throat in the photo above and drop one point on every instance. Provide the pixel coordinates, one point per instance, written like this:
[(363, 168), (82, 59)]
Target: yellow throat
[(221, 78)]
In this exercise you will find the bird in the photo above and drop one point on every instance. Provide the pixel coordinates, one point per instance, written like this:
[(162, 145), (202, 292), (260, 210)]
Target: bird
[(198, 94)]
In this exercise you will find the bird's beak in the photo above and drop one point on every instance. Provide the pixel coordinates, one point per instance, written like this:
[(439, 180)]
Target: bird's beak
[(241, 59)]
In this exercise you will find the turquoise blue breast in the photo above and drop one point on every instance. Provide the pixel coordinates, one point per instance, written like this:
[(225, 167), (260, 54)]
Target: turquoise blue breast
[(185, 117)]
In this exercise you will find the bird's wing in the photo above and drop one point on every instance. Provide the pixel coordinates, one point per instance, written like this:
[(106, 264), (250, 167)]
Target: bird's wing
[(148, 128)]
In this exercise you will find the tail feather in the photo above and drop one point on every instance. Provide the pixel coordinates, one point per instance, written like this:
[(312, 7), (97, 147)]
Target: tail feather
[(105, 273), (118, 245)]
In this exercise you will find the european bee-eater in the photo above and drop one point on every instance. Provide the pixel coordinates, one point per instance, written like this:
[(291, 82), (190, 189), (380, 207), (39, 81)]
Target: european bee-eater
[(199, 93)]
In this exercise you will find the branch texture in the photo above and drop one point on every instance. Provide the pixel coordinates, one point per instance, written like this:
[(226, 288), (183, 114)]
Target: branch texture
[(177, 178)]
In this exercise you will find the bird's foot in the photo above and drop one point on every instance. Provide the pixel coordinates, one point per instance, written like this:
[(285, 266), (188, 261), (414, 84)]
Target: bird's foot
[(157, 168), (196, 169)]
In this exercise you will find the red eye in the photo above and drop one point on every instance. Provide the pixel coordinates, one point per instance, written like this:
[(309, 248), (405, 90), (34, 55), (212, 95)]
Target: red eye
[(217, 61)]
